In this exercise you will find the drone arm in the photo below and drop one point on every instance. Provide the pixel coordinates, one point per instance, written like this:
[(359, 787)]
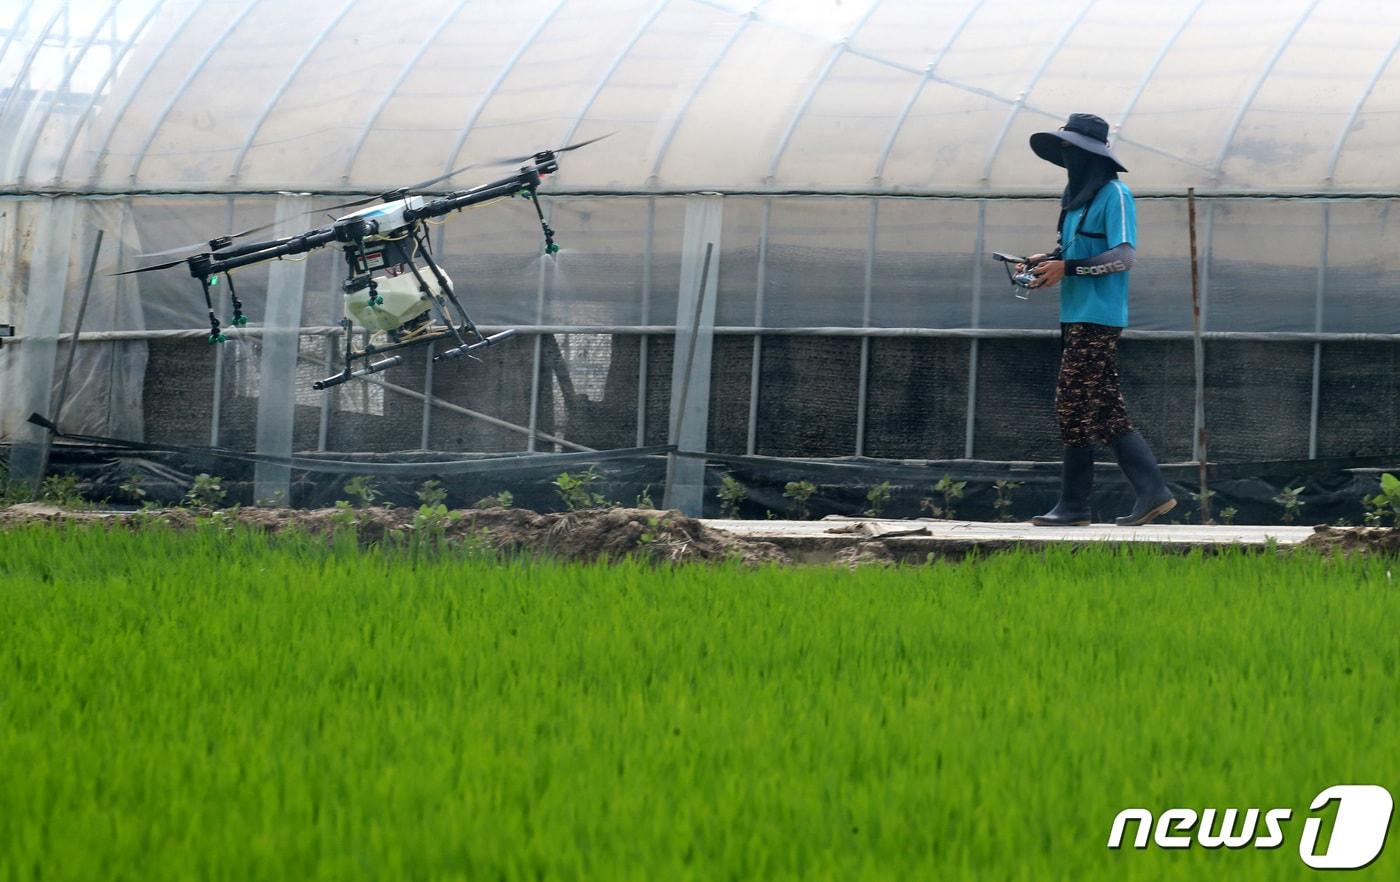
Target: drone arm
[(527, 179), (205, 265), (251, 249)]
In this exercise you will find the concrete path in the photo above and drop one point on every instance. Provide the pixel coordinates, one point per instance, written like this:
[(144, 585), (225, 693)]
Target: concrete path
[(913, 538)]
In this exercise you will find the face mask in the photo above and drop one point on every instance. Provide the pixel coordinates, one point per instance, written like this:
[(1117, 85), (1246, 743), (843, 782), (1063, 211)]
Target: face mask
[(1088, 172), (1078, 163)]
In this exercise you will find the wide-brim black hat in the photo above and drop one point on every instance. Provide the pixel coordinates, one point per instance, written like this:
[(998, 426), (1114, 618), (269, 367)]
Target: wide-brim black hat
[(1083, 130)]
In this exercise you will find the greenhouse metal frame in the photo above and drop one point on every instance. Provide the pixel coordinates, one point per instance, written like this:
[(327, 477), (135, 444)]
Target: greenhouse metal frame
[(863, 127)]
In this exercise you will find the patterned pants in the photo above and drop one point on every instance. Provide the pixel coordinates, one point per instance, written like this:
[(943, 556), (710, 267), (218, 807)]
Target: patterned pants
[(1088, 396)]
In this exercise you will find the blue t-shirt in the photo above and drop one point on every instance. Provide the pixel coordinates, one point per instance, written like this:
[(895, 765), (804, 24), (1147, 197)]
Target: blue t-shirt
[(1107, 222)]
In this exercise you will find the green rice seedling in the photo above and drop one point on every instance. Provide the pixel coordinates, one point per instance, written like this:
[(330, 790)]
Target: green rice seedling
[(178, 705)]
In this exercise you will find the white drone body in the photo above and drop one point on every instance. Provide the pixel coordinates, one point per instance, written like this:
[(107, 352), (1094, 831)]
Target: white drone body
[(400, 296), (385, 219)]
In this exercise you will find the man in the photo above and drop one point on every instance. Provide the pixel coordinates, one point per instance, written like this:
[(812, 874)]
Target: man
[(1098, 233)]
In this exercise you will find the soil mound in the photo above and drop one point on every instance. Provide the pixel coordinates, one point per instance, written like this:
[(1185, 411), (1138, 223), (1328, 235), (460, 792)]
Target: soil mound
[(591, 534), (1354, 540)]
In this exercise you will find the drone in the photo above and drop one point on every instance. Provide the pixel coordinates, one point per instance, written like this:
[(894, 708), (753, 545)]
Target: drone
[(394, 287)]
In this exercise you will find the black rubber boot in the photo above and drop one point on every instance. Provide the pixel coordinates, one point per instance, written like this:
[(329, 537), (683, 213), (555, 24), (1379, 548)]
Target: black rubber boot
[(1076, 483), (1140, 466)]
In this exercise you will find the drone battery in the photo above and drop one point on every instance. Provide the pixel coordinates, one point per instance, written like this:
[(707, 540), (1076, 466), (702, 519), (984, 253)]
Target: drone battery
[(378, 255)]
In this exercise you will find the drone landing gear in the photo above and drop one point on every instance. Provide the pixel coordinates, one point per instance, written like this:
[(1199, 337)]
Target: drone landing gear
[(465, 349), (351, 356), (207, 280), (373, 367)]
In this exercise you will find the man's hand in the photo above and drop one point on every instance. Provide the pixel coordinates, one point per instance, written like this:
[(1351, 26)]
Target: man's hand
[(1030, 261), (1048, 273)]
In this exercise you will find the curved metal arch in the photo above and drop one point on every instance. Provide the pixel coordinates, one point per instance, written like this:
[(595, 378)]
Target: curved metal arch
[(612, 68), (393, 89), (1356, 109), (19, 23), (117, 58), (32, 141), (1035, 78), (1156, 63), (747, 19), (136, 88), (929, 70), (285, 85), (1258, 85), (490, 93), (214, 46), (955, 84), (29, 61), (822, 77)]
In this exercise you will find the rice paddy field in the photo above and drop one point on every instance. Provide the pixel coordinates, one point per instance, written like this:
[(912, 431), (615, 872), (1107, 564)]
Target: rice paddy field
[(220, 704)]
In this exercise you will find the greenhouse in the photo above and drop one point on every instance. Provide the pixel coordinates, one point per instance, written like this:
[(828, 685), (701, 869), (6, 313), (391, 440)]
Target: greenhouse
[(778, 254)]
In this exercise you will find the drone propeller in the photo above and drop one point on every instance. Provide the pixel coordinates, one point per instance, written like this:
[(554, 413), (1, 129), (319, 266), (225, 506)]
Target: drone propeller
[(148, 269), (220, 242), (514, 159), (208, 245), (398, 192)]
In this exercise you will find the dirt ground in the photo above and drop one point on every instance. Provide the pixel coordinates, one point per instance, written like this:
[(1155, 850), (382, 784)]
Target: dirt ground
[(598, 533), (1354, 540), (582, 535)]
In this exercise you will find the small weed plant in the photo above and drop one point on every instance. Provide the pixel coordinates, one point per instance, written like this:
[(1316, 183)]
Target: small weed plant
[(132, 488), (206, 492), (1384, 505), (731, 497), (949, 492), (503, 499), (878, 496), (1003, 504), (576, 491), (61, 490), (362, 490), (432, 493), (800, 492), (1291, 503)]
